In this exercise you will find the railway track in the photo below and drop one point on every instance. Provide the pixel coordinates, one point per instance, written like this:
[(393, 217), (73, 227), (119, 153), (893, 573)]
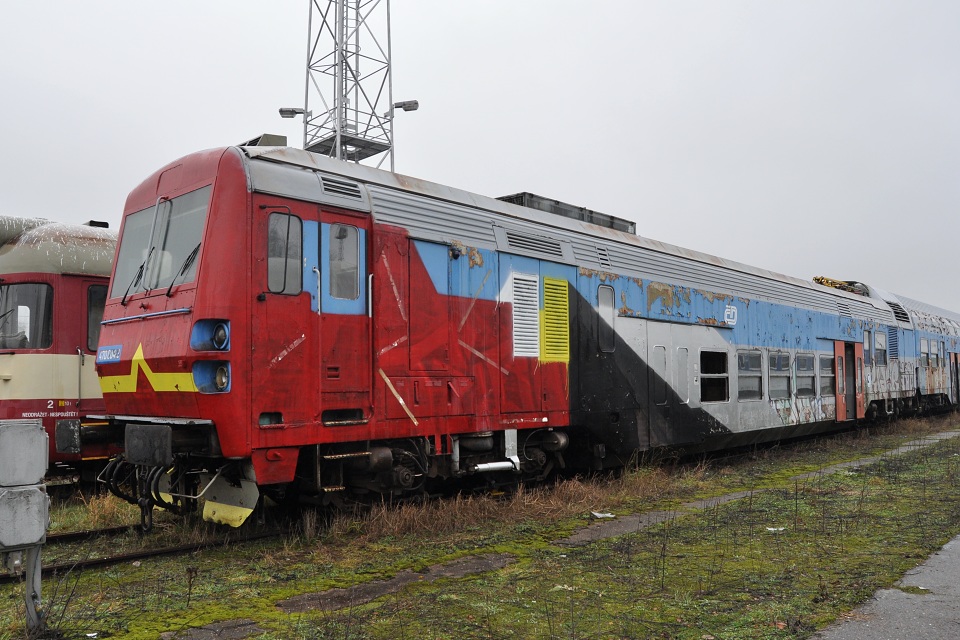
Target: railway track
[(61, 568)]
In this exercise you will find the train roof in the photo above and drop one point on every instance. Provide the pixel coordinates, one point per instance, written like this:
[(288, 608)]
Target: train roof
[(456, 215), (37, 245)]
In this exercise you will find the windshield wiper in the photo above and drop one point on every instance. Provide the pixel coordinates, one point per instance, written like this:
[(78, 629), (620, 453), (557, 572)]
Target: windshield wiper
[(136, 278), (186, 265)]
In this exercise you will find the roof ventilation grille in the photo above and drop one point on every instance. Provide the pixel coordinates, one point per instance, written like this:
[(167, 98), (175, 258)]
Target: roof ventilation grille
[(604, 258), (899, 312), (341, 188), (536, 244)]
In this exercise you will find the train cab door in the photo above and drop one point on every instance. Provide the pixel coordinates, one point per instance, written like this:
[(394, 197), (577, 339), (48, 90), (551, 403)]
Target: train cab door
[(342, 279), (851, 400)]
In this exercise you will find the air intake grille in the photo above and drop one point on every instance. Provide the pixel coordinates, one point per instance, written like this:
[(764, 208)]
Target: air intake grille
[(844, 309), (899, 312), (604, 258), (556, 321), (893, 343), (341, 188), (536, 244), (526, 316)]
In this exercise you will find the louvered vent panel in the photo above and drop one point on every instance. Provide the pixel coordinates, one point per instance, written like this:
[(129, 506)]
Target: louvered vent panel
[(899, 312), (844, 309), (536, 244), (556, 321), (341, 188), (526, 316), (604, 258), (893, 343)]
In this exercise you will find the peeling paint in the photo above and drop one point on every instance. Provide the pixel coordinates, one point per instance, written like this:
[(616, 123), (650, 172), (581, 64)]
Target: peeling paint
[(663, 292)]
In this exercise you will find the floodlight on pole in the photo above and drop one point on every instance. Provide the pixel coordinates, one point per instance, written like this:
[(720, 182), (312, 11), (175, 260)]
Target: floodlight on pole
[(290, 112)]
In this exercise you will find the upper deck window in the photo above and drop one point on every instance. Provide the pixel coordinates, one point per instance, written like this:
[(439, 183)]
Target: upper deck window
[(26, 316), (159, 244)]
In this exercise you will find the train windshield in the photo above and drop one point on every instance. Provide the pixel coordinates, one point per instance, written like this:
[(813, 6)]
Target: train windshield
[(159, 244), (26, 316)]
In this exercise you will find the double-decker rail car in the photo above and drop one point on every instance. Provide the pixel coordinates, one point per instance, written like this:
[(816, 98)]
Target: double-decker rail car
[(53, 286), (283, 323)]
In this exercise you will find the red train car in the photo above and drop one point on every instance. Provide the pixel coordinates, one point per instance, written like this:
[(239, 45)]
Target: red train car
[(53, 286), (274, 335)]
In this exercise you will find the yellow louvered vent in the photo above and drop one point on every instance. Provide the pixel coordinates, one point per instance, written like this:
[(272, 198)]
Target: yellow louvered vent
[(555, 322)]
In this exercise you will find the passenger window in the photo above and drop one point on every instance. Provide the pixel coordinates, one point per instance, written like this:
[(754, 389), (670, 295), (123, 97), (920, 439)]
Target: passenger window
[(880, 349), (866, 348), (749, 375), (828, 376), (806, 376), (779, 375), (284, 251), (607, 313), (96, 299), (924, 353), (714, 377), (344, 262)]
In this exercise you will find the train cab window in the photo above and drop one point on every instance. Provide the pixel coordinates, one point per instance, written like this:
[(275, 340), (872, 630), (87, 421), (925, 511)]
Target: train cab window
[(828, 376), (924, 352), (284, 248), (344, 262), (867, 343), (880, 349), (714, 377), (806, 375), (607, 313), (26, 316), (749, 375), (780, 387), (96, 299)]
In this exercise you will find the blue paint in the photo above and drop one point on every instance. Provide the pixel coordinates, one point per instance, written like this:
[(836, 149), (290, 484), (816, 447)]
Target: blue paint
[(311, 244)]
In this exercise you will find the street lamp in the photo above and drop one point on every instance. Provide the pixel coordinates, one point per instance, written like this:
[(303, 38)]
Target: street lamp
[(290, 112)]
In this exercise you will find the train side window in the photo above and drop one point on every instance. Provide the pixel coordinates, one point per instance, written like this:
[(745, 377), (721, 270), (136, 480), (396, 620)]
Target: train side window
[(828, 376), (779, 375), (26, 316), (841, 380), (924, 353), (749, 375), (607, 313), (880, 349), (943, 354), (806, 375), (714, 377), (344, 262), (866, 348), (96, 299), (284, 250)]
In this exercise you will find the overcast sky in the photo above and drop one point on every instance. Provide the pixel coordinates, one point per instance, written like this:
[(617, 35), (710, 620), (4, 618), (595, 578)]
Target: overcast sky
[(805, 137)]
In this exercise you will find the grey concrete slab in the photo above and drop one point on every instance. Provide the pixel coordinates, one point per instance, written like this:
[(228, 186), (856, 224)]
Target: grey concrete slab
[(926, 605)]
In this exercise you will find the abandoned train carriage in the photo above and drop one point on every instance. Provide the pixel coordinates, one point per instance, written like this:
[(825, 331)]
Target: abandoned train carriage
[(53, 286), (278, 319)]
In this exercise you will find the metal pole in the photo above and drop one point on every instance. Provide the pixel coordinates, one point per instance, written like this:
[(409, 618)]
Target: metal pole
[(31, 594), (306, 87), (390, 88)]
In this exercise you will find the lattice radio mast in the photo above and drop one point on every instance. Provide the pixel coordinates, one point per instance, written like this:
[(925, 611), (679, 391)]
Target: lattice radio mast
[(348, 100)]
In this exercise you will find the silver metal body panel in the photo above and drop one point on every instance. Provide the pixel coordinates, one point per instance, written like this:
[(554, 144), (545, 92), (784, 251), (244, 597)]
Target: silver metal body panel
[(443, 214)]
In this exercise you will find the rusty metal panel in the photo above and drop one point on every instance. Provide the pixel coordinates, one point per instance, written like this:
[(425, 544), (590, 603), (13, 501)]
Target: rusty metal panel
[(24, 452)]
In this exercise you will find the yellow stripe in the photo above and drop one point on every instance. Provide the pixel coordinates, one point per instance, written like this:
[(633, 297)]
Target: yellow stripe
[(555, 322), (158, 381)]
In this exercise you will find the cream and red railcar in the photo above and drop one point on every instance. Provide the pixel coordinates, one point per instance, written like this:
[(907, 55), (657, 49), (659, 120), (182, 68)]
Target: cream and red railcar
[(53, 285), (285, 323)]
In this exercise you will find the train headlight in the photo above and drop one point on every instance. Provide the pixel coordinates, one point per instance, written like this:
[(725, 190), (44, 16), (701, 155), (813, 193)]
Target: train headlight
[(222, 378), (210, 335), (212, 376), (221, 336)]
